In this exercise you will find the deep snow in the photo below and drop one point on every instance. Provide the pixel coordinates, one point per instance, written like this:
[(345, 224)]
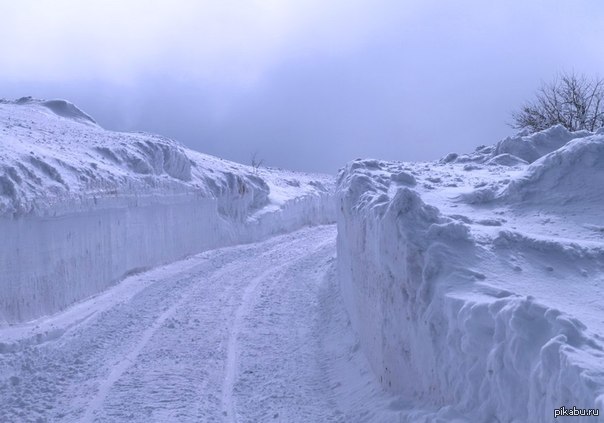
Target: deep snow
[(471, 286), (82, 207), (475, 283)]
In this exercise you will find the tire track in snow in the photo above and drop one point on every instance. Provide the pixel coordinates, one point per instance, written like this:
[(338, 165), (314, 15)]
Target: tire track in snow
[(118, 369), (280, 374), (232, 351), (232, 348), (105, 368), (247, 301), (123, 365)]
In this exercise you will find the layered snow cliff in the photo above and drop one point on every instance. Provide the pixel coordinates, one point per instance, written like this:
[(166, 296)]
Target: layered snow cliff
[(81, 207), (475, 283)]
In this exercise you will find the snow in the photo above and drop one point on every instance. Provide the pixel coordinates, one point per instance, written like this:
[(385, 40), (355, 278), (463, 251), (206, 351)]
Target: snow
[(475, 291), (567, 176), (464, 290), (82, 207), (67, 110), (244, 333)]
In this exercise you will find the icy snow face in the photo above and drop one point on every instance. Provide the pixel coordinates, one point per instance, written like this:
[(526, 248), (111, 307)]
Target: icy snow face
[(81, 207), (474, 291), (391, 250)]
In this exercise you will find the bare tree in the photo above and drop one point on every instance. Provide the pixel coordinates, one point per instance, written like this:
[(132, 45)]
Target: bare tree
[(256, 163), (575, 101)]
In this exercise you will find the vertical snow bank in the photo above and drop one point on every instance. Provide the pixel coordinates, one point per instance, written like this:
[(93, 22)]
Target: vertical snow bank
[(82, 207), (414, 282), (52, 262)]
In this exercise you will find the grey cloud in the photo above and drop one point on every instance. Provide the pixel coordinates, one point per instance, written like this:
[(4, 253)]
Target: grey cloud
[(394, 80)]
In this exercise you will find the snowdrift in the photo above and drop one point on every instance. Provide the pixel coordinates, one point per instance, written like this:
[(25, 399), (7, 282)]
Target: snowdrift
[(520, 149), (475, 284), (572, 174), (82, 207)]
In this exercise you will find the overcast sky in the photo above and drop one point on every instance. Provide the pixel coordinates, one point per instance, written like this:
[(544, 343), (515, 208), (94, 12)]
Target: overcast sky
[(308, 84)]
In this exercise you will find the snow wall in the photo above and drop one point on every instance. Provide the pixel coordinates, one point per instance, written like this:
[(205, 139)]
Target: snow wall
[(54, 261), (82, 207), (409, 282)]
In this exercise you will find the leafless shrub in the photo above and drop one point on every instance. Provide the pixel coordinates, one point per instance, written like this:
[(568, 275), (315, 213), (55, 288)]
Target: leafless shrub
[(575, 101)]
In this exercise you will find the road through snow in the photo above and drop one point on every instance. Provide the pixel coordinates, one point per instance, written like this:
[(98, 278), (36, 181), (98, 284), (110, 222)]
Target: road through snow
[(240, 334)]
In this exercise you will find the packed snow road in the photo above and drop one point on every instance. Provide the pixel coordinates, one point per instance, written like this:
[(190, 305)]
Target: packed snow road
[(240, 334)]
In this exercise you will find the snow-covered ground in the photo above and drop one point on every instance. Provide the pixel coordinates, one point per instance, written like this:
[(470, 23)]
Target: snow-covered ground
[(82, 207), (475, 284), (250, 333)]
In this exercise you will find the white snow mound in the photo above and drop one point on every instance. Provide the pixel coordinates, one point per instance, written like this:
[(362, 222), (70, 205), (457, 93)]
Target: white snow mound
[(531, 147), (573, 173), (61, 108), (519, 149)]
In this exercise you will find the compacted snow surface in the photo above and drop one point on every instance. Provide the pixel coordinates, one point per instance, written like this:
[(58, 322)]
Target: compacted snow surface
[(251, 333), (464, 290)]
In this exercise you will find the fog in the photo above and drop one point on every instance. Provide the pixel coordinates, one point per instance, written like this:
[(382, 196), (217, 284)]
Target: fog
[(307, 85)]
